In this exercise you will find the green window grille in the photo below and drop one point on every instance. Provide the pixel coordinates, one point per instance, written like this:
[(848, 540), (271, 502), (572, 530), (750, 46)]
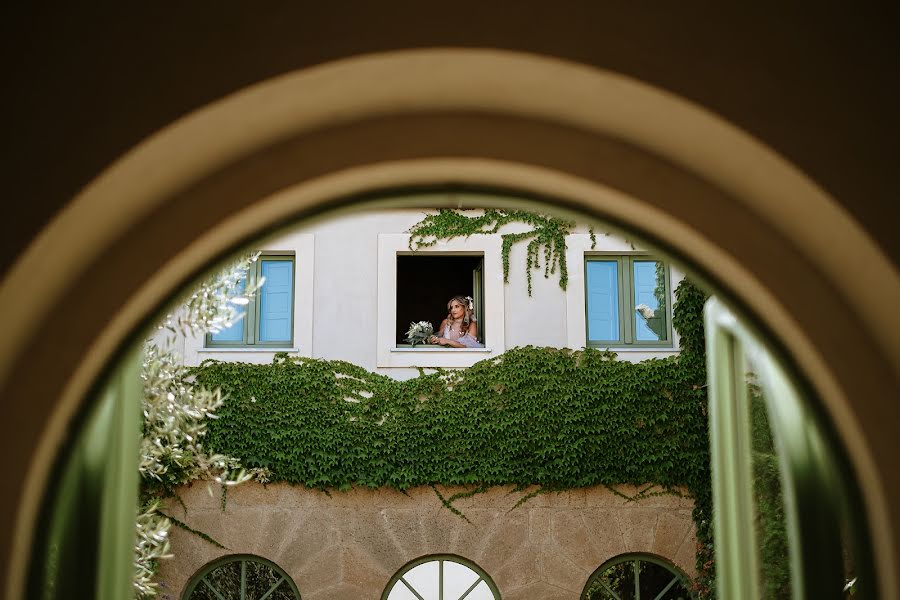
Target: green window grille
[(241, 577), (627, 301), (441, 578), (268, 318), (637, 577)]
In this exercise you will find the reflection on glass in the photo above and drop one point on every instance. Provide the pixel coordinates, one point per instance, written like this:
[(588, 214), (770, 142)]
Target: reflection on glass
[(649, 282), (458, 579), (636, 579), (275, 300), (771, 530), (424, 579)]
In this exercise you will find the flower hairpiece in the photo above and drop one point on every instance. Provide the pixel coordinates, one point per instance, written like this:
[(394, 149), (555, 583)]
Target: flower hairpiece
[(470, 303)]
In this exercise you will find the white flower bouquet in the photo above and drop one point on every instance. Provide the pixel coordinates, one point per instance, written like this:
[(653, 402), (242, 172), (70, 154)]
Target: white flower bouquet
[(419, 333), (645, 311)]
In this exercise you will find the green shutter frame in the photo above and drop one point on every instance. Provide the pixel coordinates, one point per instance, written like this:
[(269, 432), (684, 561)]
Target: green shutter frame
[(625, 266)]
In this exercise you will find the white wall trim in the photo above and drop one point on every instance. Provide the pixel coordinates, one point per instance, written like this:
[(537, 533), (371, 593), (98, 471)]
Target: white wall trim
[(304, 273)]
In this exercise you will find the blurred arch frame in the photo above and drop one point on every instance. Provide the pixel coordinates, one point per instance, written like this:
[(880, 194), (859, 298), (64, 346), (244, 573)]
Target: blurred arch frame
[(198, 577), (297, 147), (483, 576)]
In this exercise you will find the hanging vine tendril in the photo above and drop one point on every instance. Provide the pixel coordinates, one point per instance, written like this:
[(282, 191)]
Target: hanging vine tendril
[(547, 237)]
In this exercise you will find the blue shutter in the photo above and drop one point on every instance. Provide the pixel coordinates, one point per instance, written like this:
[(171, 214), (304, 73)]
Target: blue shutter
[(235, 333), (602, 288), (644, 281), (275, 301)]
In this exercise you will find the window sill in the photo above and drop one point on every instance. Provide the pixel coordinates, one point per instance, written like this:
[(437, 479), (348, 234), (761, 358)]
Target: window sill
[(637, 349), (435, 348), (245, 349)]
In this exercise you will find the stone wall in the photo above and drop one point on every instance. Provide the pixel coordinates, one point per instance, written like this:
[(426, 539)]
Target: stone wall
[(347, 546)]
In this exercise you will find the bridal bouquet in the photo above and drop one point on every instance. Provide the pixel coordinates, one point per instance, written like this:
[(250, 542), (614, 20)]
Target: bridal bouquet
[(645, 311), (419, 333)]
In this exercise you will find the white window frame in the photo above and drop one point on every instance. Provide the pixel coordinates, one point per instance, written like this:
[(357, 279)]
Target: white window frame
[(390, 245), (578, 247)]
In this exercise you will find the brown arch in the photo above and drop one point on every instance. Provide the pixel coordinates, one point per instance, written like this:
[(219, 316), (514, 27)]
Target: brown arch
[(217, 179)]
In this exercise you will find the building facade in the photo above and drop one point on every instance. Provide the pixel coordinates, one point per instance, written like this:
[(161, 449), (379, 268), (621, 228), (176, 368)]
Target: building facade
[(347, 289)]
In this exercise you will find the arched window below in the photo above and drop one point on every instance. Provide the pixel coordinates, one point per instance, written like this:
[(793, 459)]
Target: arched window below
[(441, 578), (637, 577), (241, 577)]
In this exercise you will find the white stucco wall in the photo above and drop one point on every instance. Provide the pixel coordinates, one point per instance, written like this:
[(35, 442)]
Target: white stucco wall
[(345, 283)]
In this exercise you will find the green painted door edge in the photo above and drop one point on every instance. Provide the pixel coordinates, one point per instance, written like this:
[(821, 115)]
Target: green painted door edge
[(819, 490), (87, 548), (119, 498)]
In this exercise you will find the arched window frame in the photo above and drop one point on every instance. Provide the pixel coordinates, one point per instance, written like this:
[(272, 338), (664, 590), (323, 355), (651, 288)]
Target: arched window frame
[(215, 564), (482, 574), (678, 574)]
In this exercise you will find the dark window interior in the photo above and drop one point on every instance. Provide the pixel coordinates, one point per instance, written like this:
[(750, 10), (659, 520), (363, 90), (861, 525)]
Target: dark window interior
[(426, 283)]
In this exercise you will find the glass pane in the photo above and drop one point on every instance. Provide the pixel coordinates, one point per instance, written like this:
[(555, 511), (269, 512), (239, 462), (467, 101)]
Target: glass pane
[(261, 578), (617, 578), (401, 592), (275, 300), (457, 579), (235, 333), (202, 592), (769, 520), (226, 579), (656, 578), (602, 288), (649, 281), (424, 579), (481, 592)]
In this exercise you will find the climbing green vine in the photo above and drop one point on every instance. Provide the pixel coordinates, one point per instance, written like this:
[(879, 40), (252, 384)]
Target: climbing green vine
[(547, 237), (555, 418)]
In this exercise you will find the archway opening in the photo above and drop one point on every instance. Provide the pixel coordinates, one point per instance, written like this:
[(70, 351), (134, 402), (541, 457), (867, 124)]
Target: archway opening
[(497, 166)]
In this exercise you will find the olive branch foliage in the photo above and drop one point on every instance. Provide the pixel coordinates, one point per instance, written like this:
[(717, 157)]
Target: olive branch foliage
[(176, 414), (547, 237), (553, 418)]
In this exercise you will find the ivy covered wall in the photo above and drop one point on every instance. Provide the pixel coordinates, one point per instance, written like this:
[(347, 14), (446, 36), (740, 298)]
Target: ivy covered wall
[(555, 418)]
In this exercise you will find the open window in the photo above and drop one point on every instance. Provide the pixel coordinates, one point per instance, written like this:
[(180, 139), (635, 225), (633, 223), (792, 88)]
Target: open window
[(416, 286), (426, 282)]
